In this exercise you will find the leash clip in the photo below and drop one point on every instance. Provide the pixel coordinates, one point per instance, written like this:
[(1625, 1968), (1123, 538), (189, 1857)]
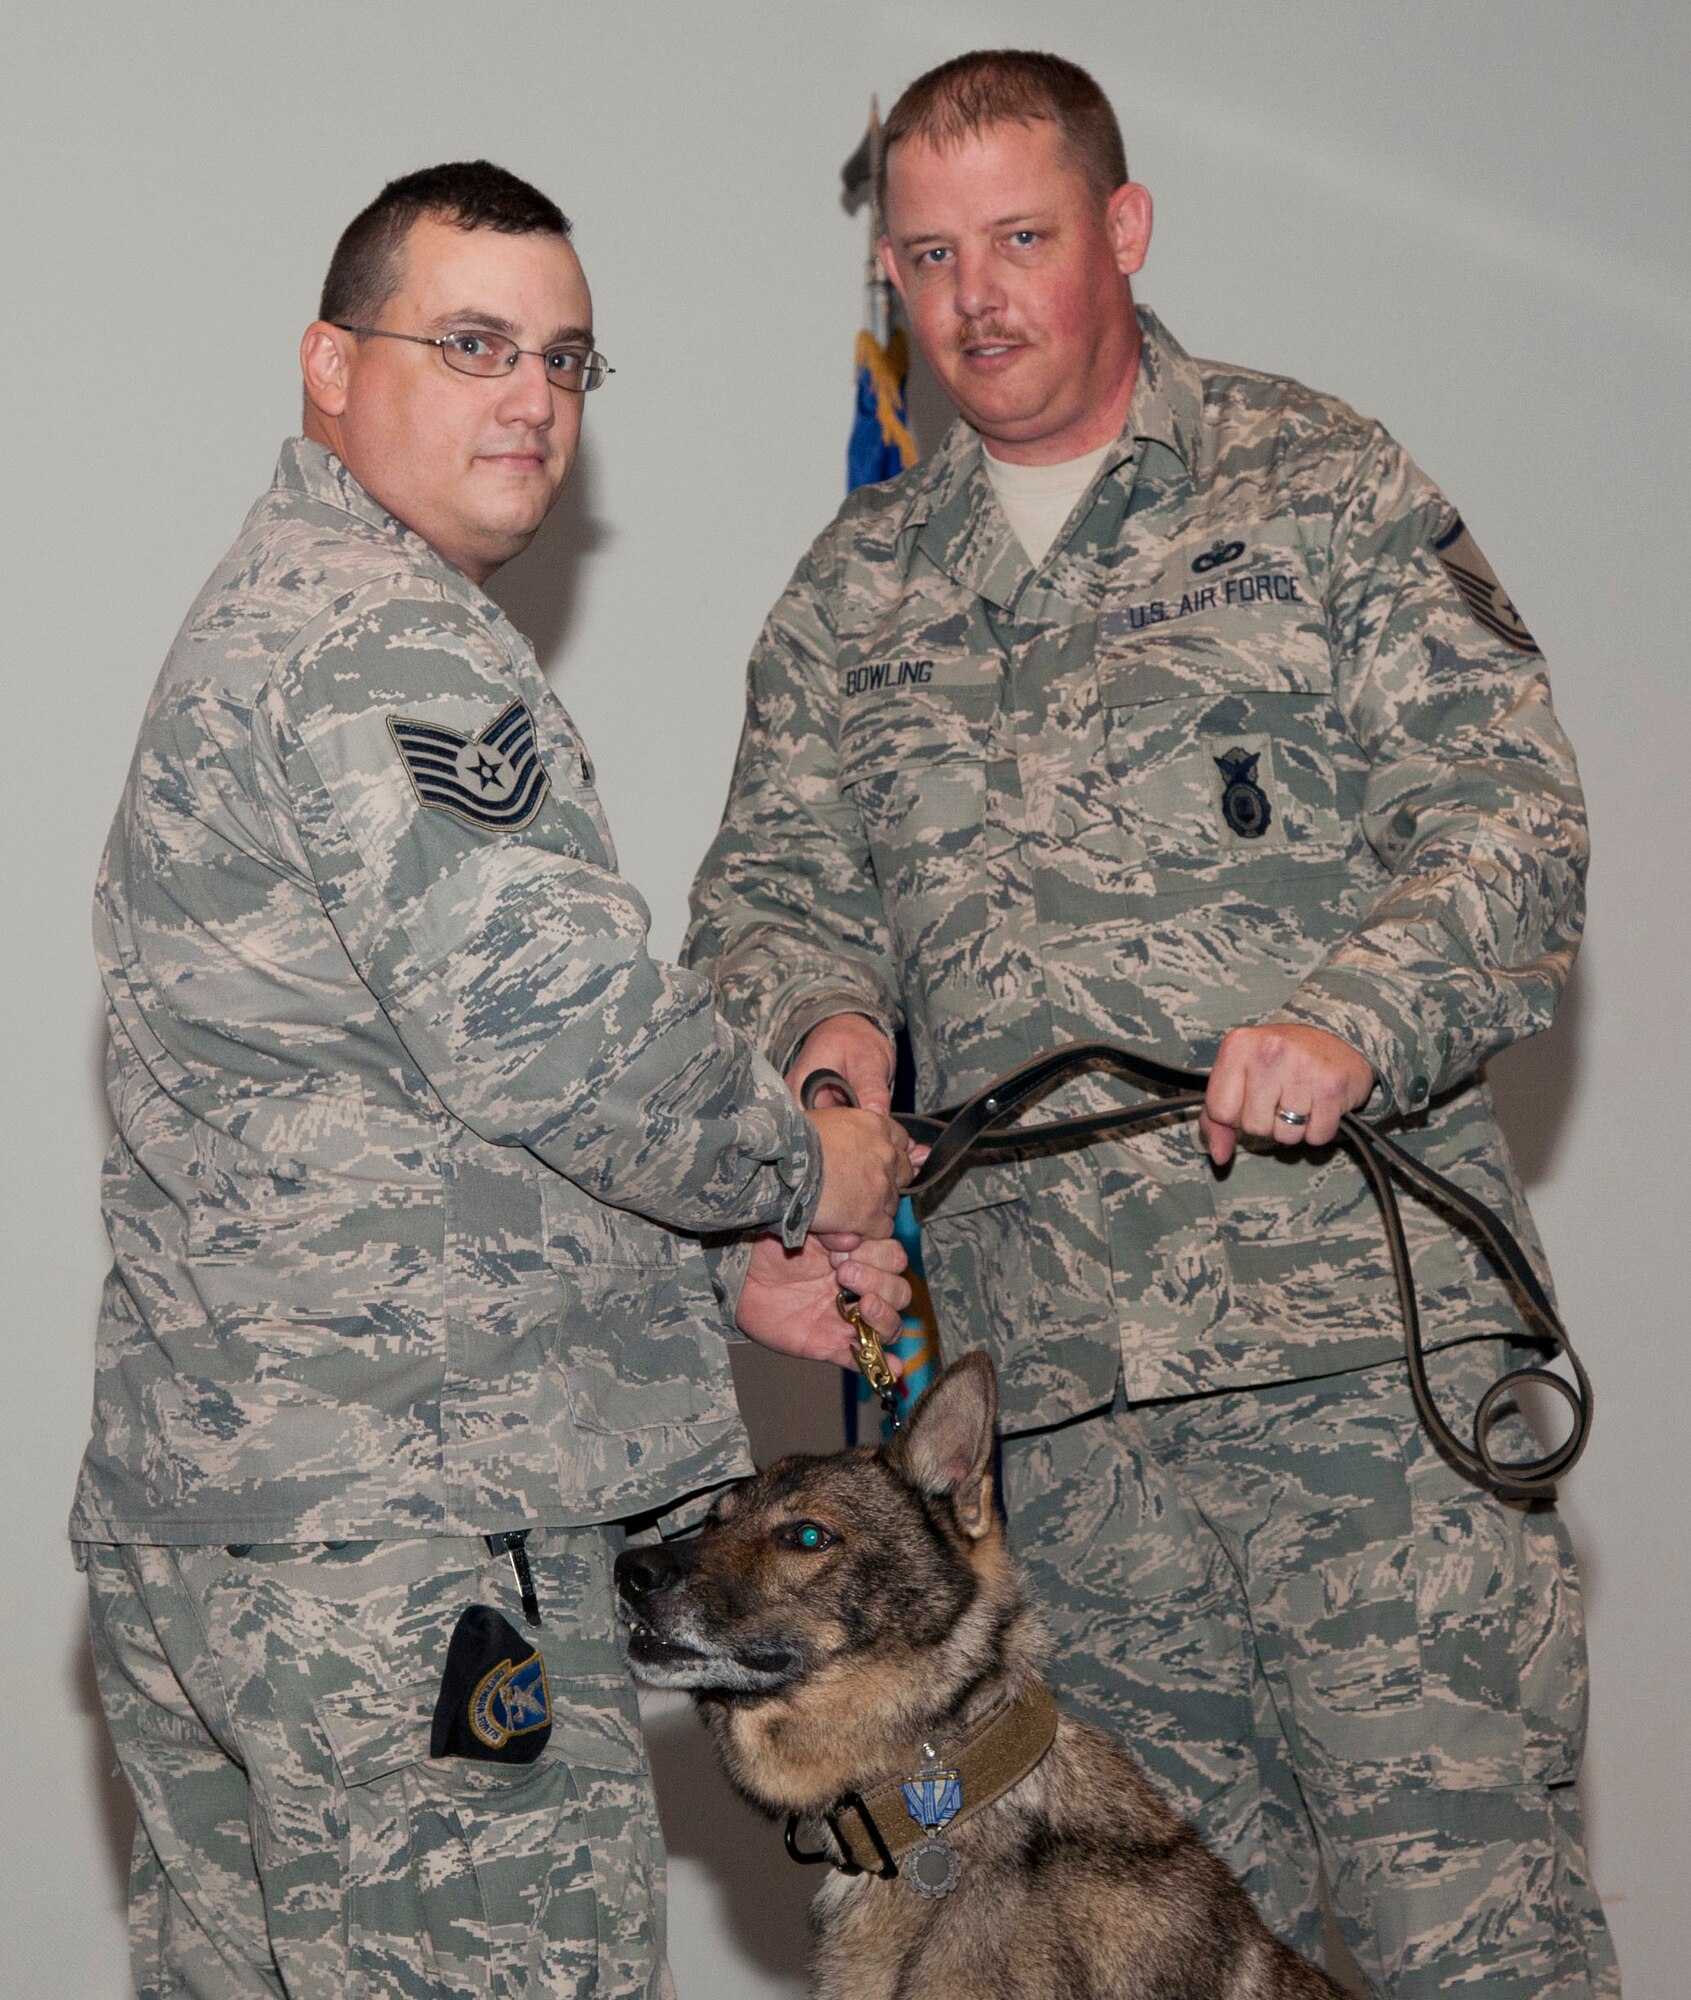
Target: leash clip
[(870, 1356)]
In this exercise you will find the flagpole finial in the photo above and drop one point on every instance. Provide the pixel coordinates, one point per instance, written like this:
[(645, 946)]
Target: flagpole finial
[(860, 187), (860, 176)]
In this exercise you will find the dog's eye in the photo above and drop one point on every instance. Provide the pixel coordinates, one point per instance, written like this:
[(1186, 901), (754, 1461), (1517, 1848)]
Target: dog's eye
[(806, 1535)]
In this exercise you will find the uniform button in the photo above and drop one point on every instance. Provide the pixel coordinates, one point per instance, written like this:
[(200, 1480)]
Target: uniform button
[(1066, 825), (237, 1548), (1417, 1089)]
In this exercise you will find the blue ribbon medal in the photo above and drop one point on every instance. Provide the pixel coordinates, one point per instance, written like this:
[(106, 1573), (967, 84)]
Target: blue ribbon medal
[(933, 1798)]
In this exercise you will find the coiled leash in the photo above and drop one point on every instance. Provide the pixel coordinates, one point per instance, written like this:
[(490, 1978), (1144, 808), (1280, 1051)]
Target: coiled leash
[(977, 1127)]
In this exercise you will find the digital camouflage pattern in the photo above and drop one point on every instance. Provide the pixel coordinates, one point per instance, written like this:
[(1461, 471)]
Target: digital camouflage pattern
[(271, 1711), (407, 1120), (1312, 1630), (1240, 748)]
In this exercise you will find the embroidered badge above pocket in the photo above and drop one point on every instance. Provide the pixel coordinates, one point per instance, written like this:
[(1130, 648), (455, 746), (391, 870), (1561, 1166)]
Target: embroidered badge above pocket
[(493, 780)]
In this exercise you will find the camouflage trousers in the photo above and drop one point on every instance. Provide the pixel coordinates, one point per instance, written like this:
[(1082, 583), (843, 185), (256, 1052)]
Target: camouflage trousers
[(271, 1709), (1331, 1650)]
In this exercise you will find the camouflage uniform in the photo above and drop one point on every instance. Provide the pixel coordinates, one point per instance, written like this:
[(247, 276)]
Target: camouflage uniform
[(1259, 739), (407, 1126), (271, 1709)]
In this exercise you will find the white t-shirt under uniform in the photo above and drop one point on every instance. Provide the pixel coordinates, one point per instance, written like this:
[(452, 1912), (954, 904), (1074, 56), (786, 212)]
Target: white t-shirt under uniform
[(1038, 499)]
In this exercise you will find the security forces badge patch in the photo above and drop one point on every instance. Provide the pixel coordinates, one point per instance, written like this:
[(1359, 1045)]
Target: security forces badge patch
[(1244, 803), (1479, 588), (494, 780)]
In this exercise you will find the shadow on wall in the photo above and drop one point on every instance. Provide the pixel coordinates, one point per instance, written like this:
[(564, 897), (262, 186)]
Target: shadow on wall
[(760, 1898), (538, 591), (1533, 1086)]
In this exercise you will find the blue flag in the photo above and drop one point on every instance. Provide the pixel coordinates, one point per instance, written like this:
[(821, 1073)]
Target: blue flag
[(881, 444)]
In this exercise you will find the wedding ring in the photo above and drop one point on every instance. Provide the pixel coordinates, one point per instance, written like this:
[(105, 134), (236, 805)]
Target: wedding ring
[(1296, 1119)]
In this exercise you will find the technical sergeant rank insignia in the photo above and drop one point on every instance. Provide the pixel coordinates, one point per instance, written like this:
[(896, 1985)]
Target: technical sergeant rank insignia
[(1244, 803), (933, 1798), (494, 780)]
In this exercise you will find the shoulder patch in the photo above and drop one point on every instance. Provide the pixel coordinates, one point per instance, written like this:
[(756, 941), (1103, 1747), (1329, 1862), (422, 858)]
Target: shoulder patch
[(1479, 588), (495, 780)]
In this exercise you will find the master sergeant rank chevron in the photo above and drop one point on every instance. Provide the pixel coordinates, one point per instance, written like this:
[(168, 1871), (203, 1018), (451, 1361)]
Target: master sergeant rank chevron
[(495, 780), (1478, 587)]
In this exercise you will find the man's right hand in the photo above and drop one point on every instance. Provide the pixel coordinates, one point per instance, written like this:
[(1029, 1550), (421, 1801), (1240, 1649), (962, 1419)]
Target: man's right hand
[(853, 1045), (865, 1164)]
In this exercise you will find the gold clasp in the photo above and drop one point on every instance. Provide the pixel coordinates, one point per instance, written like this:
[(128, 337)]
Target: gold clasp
[(870, 1356)]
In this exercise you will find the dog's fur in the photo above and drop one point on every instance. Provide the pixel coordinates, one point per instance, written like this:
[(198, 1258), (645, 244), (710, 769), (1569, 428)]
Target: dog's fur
[(822, 1671)]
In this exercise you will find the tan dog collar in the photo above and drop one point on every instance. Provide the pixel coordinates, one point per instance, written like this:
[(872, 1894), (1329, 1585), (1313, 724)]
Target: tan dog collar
[(874, 1832)]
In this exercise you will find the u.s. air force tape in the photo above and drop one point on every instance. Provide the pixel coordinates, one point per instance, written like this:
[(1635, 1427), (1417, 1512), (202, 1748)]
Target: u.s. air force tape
[(494, 780), (494, 1702)]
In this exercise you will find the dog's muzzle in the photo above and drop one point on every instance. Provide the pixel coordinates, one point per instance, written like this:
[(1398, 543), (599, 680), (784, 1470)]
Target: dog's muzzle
[(669, 1643)]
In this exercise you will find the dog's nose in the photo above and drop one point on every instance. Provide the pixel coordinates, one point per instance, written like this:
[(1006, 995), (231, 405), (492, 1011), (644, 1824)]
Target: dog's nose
[(641, 1573)]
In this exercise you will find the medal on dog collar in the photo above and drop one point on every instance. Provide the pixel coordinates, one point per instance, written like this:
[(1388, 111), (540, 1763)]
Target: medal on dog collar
[(933, 1798)]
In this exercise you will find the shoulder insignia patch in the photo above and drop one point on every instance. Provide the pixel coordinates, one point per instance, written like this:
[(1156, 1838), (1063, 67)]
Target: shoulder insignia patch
[(495, 780), (510, 1699), (494, 1703), (1479, 588)]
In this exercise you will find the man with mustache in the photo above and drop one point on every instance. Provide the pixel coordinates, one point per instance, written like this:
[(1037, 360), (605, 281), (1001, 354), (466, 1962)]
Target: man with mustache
[(1169, 702), (410, 1320)]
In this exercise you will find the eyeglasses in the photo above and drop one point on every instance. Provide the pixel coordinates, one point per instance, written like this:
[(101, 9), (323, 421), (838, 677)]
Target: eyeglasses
[(491, 355)]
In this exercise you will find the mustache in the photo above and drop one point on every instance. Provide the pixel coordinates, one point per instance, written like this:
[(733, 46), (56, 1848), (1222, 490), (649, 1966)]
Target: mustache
[(985, 333)]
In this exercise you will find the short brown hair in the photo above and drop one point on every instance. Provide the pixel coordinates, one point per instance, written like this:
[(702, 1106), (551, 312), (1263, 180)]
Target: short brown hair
[(1010, 86), (472, 194)]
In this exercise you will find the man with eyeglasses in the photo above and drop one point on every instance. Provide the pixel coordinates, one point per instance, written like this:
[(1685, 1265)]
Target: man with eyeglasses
[(410, 1317)]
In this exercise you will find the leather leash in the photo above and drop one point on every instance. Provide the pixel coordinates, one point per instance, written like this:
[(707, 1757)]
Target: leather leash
[(977, 1127)]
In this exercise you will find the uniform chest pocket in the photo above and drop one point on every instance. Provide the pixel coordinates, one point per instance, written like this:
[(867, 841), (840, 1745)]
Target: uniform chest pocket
[(913, 767), (913, 764), (1221, 739), (1224, 754)]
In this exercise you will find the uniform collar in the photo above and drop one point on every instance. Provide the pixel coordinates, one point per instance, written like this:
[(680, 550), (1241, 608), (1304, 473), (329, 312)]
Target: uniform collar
[(311, 470), (960, 525)]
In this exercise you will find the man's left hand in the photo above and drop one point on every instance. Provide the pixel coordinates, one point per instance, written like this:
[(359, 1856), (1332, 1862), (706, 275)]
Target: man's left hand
[(1262, 1072), (787, 1301)]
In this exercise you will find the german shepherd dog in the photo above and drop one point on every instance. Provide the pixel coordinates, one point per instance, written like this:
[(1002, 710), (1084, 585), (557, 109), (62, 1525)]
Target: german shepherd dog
[(851, 1625)]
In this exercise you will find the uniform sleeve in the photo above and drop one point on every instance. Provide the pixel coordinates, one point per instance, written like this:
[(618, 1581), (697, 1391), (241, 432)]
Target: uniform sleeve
[(786, 913), (1472, 801), (509, 955)]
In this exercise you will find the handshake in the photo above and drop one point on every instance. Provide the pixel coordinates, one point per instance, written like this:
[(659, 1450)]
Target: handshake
[(788, 1299), (867, 1160)]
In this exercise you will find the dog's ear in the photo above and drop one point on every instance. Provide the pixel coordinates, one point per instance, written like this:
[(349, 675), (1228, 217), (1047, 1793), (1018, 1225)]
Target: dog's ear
[(946, 1448)]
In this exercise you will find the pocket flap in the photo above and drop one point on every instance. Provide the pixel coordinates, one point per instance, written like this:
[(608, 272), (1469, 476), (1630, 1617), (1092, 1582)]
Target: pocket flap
[(924, 726), (375, 1733), (975, 1188), (1205, 667)]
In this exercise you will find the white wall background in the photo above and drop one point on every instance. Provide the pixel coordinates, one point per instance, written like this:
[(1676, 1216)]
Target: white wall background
[(1467, 219)]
